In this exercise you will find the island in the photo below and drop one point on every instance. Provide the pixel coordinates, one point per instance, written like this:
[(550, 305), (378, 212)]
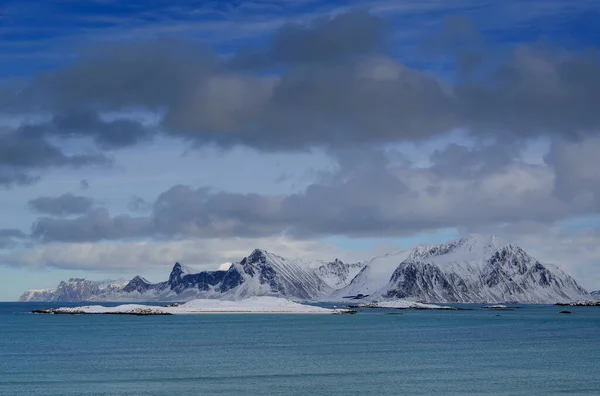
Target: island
[(402, 304), (263, 304)]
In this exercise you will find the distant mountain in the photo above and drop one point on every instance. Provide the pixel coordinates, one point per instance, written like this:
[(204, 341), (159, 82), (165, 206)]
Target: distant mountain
[(76, 289), (596, 294), (474, 269), (471, 269)]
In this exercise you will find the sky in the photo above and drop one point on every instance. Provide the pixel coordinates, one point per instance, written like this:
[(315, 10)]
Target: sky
[(136, 134)]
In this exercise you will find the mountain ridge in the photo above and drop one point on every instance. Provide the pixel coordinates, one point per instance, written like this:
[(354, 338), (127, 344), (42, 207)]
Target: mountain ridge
[(474, 268)]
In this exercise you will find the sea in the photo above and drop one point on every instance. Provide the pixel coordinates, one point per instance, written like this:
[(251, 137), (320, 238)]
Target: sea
[(532, 350)]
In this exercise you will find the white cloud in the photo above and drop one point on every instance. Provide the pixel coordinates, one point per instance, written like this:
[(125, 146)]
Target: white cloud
[(202, 254)]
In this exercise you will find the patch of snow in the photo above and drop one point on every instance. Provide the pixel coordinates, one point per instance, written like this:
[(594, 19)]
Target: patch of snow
[(375, 275), (224, 267)]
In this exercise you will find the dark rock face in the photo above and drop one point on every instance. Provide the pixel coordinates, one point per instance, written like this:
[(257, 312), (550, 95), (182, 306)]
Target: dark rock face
[(203, 281), (180, 280), (175, 275), (140, 285), (357, 297), (413, 278), (231, 279)]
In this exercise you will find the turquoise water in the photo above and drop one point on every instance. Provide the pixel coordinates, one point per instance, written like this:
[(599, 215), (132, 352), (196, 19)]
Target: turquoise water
[(529, 351)]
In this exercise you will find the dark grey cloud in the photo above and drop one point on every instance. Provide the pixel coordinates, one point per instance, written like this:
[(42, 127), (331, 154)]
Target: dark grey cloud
[(95, 225), (332, 83), (19, 155), (460, 161), (107, 134), (536, 92), (323, 40), (10, 177), (151, 74), (63, 205), (23, 152)]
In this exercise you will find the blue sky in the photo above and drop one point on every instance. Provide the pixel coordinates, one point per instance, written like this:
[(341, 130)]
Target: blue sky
[(254, 157)]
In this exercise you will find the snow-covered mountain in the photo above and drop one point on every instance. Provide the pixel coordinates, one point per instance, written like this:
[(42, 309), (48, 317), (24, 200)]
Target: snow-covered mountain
[(76, 289), (479, 269), (596, 294), (267, 274), (472, 269)]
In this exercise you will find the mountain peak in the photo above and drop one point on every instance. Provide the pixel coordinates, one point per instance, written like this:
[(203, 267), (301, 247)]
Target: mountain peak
[(76, 280), (259, 255), (137, 284), (259, 252), (480, 241), (177, 273), (139, 278), (182, 269)]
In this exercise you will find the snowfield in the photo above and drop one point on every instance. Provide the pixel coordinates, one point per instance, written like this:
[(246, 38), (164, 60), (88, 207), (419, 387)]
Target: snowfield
[(373, 277), (262, 304)]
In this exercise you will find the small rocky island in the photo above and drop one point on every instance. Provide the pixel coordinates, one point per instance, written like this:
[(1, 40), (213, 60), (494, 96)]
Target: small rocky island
[(500, 307), (403, 304), (582, 303)]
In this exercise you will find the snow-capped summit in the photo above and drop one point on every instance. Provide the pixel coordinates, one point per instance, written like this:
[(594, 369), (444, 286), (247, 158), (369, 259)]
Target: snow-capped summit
[(263, 273), (177, 273), (479, 269), (472, 246)]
